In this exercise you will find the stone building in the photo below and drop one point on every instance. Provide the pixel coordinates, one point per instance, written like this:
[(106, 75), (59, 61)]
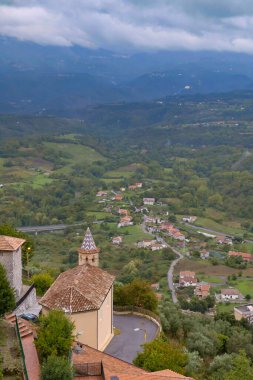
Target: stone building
[(11, 259), (85, 294)]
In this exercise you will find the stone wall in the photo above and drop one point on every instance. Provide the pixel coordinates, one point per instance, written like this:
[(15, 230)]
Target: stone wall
[(29, 302), (12, 261)]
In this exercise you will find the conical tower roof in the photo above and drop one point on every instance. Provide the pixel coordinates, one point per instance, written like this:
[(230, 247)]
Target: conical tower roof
[(88, 244)]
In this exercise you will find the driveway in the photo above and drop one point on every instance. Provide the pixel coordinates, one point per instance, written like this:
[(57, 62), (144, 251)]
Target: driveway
[(127, 344), (170, 273)]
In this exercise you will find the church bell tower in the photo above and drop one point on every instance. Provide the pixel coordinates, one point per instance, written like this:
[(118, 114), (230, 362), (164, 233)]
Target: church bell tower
[(88, 252)]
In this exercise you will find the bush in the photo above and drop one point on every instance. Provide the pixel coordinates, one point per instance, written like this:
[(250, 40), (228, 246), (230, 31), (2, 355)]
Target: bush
[(136, 293), (7, 297), (56, 368), (42, 282), (54, 335)]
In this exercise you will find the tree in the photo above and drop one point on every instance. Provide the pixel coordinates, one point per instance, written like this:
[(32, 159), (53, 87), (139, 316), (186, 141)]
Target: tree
[(7, 297), (56, 368), (55, 334), (136, 293), (42, 282), (242, 368), (160, 354)]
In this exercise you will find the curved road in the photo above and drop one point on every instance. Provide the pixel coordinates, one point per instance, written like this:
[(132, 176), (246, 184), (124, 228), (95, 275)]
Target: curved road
[(134, 331), (170, 273)]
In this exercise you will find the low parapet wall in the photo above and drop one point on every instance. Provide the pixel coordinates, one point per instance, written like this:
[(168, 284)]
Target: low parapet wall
[(141, 312)]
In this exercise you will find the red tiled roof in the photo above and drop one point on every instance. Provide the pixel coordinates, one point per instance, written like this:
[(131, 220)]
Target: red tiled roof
[(9, 243), (187, 273), (125, 371), (230, 292), (82, 288), (246, 256)]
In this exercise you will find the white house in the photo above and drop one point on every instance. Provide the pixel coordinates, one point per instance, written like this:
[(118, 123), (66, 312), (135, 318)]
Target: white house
[(230, 294), (149, 201), (117, 240), (187, 278), (204, 254)]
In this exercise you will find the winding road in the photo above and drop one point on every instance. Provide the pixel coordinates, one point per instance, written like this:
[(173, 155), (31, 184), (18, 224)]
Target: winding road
[(170, 273)]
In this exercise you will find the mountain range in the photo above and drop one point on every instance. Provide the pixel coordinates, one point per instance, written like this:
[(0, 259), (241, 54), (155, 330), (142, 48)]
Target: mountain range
[(46, 79)]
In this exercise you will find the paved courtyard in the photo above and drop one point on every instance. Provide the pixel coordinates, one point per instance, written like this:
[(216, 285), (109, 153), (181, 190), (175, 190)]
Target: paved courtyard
[(128, 343)]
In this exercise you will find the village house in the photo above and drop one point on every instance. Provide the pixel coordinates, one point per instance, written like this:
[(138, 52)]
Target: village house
[(117, 240), (245, 256), (202, 290), (132, 187), (122, 211), (122, 189), (244, 311), (101, 194), (152, 219), (85, 294), (138, 185), (141, 209), (153, 229), (11, 259), (157, 246), (189, 219), (204, 254), (118, 197), (222, 239), (177, 235), (149, 201), (187, 278), (155, 287), (230, 294), (125, 221), (146, 243)]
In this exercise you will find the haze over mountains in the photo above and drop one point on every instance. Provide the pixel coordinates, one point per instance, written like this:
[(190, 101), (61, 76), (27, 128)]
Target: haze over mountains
[(42, 79)]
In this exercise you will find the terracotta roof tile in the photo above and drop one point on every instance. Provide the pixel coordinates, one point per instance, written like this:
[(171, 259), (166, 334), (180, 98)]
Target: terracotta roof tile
[(79, 289), (125, 371), (9, 243)]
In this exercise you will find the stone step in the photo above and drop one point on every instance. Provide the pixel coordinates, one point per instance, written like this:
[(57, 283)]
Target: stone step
[(11, 318), (22, 328), (26, 333)]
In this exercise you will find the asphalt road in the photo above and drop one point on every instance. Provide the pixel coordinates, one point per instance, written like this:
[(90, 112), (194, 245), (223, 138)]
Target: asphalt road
[(170, 273), (127, 344)]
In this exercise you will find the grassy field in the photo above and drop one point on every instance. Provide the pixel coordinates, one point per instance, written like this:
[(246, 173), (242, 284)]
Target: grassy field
[(135, 234), (227, 227), (245, 286), (123, 172), (40, 180), (211, 279), (204, 267), (225, 307), (74, 154)]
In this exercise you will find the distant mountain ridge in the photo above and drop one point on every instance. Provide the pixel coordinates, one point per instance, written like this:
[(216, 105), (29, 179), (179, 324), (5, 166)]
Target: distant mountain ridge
[(36, 78)]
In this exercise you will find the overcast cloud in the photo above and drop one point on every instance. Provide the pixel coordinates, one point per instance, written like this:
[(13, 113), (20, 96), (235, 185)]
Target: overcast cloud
[(224, 25)]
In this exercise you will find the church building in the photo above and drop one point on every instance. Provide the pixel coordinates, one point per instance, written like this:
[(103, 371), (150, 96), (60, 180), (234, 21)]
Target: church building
[(85, 294)]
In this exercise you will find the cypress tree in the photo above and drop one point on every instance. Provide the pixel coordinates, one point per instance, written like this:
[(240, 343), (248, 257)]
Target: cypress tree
[(7, 297)]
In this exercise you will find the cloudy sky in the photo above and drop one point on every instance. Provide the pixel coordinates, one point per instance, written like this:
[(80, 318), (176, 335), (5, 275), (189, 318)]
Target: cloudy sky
[(223, 25)]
